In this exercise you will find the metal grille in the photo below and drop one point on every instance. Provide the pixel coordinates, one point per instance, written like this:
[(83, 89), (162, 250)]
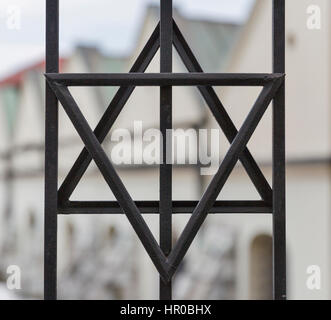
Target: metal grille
[(165, 257)]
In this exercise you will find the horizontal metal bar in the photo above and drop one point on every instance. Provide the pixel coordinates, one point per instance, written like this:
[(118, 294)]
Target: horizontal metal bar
[(163, 79), (152, 207)]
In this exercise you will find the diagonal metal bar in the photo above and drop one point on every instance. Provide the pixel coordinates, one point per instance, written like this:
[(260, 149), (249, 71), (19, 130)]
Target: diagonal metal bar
[(109, 117), (221, 116), (113, 180), (201, 211)]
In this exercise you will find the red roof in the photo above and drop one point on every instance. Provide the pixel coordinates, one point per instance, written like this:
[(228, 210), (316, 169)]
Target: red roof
[(17, 78)]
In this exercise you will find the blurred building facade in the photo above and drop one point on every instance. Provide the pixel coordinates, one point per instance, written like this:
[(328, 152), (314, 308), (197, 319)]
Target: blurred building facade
[(308, 123), (100, 257)]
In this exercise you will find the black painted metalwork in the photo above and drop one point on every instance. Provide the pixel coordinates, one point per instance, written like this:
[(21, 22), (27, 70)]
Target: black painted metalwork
[(51, 153), (165, 258)]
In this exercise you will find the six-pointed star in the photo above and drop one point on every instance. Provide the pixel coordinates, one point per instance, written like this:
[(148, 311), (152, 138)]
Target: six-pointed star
[(93, 150)]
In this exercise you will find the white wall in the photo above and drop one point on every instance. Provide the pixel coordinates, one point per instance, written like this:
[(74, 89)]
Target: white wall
[(3, 148), (308, 137), (307, 79)]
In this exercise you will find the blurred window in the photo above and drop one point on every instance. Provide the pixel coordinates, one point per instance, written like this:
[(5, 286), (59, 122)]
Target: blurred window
[(261, 268)]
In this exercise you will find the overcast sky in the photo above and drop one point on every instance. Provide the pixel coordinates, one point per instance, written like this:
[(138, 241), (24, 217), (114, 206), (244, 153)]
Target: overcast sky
[(109, 24)]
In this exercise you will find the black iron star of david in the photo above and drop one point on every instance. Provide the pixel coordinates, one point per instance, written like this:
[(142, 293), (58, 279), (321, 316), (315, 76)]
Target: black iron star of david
[(165, 264)]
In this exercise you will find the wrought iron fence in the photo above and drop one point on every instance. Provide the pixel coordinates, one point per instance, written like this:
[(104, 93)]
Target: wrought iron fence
[(165, 257)]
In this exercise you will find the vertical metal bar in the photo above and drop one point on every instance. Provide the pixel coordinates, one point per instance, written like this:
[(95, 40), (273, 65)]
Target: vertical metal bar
[(279, 206), (166, 36), (51, 153)]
